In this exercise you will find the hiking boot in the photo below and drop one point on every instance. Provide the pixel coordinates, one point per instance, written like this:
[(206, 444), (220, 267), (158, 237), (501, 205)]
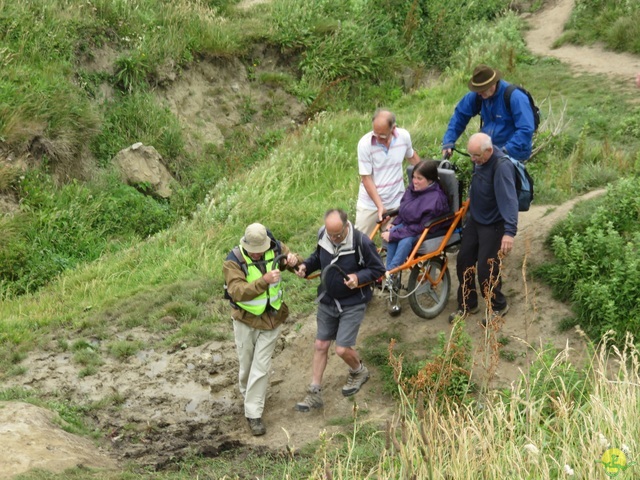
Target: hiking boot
[(495, 315), (355, 381), (462, 314), (312, 400), (256, 426)]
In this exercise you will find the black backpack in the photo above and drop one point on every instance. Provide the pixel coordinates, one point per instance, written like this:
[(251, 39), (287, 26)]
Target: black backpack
[(507, 101)]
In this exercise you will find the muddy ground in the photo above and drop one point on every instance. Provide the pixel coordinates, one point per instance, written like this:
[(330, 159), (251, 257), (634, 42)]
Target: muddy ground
[(182, 402)]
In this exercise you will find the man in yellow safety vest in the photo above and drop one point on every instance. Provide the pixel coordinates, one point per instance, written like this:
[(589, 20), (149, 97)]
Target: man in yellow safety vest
[(252, 285)]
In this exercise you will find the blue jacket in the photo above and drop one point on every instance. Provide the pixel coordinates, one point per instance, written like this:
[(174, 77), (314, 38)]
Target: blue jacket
[(417, 208), (513, 132), (355, 255), (492, 196)]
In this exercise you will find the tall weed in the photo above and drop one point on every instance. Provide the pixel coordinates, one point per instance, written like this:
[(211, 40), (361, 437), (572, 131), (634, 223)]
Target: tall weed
[(556, 422)]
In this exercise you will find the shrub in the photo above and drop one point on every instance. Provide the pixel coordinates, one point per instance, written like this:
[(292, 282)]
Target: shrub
[(122, 349), (615, 22), (446, 377), (60, 227), (597, 263), (554, 380), (131, 72)]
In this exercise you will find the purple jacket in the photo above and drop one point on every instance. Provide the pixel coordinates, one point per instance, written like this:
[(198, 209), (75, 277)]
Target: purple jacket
[(417, 208)]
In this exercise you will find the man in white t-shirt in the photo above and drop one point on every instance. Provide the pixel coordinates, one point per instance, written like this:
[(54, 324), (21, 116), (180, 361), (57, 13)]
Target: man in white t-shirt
[(380, 156)]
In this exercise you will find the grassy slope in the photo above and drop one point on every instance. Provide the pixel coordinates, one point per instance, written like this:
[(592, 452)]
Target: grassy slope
[(313, 170)]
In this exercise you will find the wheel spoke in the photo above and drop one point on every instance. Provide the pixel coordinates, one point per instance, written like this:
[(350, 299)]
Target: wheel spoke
[(427, 300)]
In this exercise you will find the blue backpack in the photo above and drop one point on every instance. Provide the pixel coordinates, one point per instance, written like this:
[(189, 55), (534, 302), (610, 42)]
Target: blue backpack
[(524, 183)]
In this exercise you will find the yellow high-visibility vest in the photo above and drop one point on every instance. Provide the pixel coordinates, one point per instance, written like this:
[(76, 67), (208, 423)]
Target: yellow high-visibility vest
[(272, 296)]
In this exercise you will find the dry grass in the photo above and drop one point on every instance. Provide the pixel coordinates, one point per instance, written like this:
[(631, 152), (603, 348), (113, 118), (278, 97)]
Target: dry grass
[(556, 421), (516, 436)]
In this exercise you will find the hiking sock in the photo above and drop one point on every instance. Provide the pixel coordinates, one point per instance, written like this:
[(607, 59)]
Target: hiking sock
[(357, 370)]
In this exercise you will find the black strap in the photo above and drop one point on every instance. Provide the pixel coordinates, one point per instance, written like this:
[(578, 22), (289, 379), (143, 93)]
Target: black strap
[(507, 96), (240, 260), (460, 152)]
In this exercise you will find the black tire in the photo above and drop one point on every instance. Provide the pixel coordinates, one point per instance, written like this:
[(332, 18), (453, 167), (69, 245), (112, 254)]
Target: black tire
[(429, 301)]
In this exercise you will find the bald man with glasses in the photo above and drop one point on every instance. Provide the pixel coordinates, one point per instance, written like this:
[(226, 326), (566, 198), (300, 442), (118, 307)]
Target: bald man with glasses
[(488, 232), (350, 263), (381, 154)]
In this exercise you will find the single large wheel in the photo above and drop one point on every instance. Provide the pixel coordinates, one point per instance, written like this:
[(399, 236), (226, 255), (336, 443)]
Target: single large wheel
[(427, 300)]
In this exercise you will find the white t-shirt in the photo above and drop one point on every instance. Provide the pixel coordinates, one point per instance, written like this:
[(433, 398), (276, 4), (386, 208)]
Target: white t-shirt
[(385, 167)]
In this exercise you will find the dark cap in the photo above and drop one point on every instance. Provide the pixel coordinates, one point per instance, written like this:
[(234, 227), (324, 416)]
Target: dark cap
[(483, 78)]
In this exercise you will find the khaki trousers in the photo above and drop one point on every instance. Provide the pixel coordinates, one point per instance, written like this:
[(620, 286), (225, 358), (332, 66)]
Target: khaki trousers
[(255, 348), (366, 220)]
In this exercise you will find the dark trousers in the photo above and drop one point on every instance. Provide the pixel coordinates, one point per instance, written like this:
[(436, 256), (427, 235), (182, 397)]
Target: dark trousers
[(480, 245)]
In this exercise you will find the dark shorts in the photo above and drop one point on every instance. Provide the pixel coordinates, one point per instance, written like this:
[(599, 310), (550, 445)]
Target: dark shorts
[(342, 326)]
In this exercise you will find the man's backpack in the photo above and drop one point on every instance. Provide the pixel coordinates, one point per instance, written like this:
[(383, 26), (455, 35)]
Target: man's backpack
[(524, 183), (507, 101), (534, 108)]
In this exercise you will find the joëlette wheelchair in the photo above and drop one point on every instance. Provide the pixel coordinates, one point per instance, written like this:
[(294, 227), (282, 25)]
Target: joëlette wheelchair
[(428, 281)]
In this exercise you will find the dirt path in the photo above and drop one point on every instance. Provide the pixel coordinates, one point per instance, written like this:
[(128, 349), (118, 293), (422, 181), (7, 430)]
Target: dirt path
[(547, 26)]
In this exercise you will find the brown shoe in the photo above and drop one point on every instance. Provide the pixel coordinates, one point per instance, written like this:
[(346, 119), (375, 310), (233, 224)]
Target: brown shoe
[(462, 314), (355, 381), (495, 315), (256, 426)]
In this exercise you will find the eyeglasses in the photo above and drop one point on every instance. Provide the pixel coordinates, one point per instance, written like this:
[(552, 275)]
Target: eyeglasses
[(385, 136), (337, 236)]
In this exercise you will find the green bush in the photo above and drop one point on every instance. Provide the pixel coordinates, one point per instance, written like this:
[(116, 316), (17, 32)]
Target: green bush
[(597, 263), (131, 72), (614, 22), (138, 118), (122, 349), (444, 377), (553, 381), (59, 227), (372, 42), (343, 54)]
